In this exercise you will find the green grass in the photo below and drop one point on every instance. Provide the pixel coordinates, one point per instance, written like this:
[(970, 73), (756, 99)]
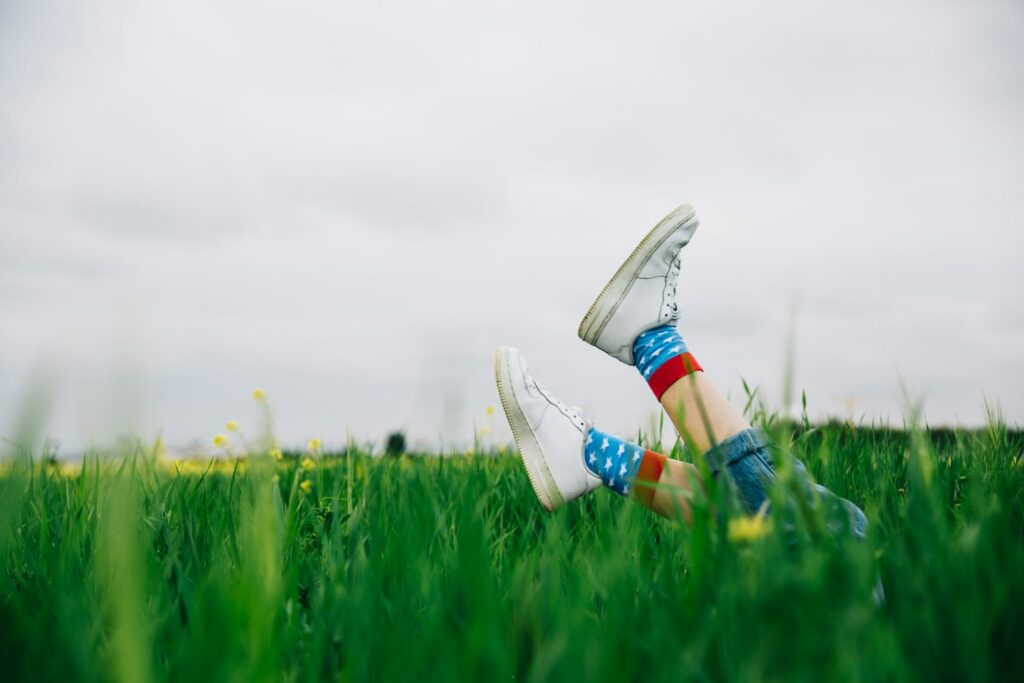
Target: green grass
[(422, 568)]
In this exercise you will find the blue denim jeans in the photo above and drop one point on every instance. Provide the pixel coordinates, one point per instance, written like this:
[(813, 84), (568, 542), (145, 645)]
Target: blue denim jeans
[(747, 458)]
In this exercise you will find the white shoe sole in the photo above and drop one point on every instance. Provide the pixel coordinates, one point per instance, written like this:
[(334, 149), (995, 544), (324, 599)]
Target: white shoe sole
[(607, 302), (533, 458)]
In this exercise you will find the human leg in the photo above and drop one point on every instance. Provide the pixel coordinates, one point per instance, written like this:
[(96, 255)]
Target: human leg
[(633, 319), (565, 456), (699, 412), (672, 495)]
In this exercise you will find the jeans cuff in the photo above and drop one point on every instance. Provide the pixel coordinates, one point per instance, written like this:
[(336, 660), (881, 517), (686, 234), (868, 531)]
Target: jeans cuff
[(735, 448)]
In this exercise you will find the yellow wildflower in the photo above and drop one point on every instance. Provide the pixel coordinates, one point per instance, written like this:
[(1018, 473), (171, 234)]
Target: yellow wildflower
[(314, 444), (226, 465), (69, 469), (275, 479), (308, 463), (231, 426), (748, 528), (484, 431), (190, 468), (220, 441), (276, 454), (490, 410), (306, 486), (259, 395)]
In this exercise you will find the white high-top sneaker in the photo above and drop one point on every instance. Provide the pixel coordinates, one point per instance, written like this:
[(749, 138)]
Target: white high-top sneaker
[(550, 435), (642, 293)]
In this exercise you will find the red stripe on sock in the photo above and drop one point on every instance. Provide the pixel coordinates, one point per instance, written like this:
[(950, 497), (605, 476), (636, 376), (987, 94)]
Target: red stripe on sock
[(648, 474), (671, 371)]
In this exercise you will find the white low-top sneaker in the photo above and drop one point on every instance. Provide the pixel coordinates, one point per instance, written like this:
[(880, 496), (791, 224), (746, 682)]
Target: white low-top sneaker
[(550, 435), (642, 293)]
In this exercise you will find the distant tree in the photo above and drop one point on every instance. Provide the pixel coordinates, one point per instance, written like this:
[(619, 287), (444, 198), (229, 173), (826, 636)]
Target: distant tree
[(395, 444)]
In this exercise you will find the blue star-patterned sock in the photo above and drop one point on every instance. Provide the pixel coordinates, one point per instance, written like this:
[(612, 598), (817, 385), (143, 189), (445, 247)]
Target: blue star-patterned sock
[(613, 459), (662, 358)]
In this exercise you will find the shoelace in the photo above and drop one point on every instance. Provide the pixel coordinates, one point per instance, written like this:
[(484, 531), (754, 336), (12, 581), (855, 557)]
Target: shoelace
[(670, 306), (573, 413)]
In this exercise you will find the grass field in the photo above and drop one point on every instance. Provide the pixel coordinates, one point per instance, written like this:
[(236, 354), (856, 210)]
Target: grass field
[(424, 568)]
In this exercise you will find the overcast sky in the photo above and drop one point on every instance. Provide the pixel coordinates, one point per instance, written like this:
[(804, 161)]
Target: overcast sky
[(351, 204)]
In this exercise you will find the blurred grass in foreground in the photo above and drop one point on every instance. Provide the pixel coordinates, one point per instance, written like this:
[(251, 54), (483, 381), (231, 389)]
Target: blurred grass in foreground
[(423, 568)]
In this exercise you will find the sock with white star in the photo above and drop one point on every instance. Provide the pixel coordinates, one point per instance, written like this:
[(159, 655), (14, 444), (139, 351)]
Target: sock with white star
[(623, 466), (662, 358)]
